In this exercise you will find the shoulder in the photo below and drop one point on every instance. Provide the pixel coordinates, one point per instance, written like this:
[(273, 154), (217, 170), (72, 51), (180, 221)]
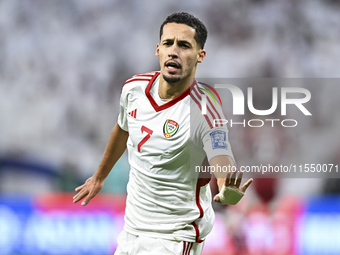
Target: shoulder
[(204, 95), (201, 91), (137, 84), (206, 103), (139, 80)]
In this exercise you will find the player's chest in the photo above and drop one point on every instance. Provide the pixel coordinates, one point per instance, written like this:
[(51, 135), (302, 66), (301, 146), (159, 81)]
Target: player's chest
[(161, 131)]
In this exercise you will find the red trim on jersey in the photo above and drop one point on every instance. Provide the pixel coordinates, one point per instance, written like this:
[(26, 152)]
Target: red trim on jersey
[(166, 105), (187, 248), (200, 183), (135, 79), (140, 77), (198, 240), (197, 91), (191, 244), (213, 107), (144, 75), (199, 106), (213, 91), (198, 189), (194, 89), (218, 115), (148, 73)]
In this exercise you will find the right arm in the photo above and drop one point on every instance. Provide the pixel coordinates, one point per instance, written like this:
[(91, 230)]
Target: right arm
[(114, 150)]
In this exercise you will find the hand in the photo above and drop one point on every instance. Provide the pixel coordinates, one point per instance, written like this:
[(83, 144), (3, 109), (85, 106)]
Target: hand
[(231, 193), (89, 190)]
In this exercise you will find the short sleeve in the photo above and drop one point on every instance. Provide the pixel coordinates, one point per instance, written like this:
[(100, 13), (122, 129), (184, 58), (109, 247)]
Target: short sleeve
[(216, 143), (209, 127), (122, 117)]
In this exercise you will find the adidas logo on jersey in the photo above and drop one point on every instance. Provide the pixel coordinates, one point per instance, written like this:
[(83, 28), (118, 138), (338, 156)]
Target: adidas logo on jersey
[(133, 113)]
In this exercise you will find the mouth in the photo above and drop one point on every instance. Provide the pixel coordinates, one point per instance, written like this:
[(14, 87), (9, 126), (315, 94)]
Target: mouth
[(172, 65)]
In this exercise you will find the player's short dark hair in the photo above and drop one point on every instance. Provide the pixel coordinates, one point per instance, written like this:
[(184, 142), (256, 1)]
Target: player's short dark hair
[(201, 32)]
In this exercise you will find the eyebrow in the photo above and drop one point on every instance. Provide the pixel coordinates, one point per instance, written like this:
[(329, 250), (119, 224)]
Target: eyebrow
[(179, 41)]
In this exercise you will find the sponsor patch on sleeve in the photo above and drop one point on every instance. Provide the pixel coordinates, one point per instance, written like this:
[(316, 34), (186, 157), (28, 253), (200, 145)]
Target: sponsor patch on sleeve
[(219, 139)]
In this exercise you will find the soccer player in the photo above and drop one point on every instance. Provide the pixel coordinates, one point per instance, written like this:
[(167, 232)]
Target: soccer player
[(168, 208)]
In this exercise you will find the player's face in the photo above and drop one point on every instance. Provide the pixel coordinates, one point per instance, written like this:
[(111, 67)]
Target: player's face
[(178, 52)]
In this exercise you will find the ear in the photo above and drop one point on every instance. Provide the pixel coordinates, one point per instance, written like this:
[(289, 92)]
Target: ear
[(157, 50), (201, 55)]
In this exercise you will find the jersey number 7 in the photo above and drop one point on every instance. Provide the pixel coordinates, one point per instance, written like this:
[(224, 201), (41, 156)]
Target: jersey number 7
[(147, 137)]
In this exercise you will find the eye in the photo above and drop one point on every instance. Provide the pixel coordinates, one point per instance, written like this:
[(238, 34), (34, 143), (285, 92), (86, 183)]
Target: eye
[(184, 45)]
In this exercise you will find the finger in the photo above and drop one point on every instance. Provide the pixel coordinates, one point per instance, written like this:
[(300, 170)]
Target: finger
[(87, 199), (246, 185), (217, 199), (232, 178), (239, 179), (80, 196), (79, 191), (227, 179), (80, 187)]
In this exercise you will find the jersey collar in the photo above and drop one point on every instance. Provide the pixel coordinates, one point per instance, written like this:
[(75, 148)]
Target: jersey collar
[(168, 104)]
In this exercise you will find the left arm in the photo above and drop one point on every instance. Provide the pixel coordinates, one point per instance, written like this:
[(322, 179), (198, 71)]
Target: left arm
[(228, 185)]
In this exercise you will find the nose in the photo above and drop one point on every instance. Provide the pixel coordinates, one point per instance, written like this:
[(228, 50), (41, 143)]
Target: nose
[(173, 51)]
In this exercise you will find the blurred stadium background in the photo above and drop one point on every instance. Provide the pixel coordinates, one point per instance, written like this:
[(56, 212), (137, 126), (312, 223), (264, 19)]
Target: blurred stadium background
[(62, 65)]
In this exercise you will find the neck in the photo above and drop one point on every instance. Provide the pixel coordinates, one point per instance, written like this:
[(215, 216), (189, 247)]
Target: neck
[(172, 90)]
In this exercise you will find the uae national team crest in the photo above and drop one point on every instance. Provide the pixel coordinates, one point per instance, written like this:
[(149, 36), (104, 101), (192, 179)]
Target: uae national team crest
[(170, 128)]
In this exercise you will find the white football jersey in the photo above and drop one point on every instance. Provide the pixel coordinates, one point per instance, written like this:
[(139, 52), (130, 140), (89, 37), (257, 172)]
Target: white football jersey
[(164, 199)]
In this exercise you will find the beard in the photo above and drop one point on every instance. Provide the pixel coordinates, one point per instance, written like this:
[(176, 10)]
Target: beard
[(171, 79)]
